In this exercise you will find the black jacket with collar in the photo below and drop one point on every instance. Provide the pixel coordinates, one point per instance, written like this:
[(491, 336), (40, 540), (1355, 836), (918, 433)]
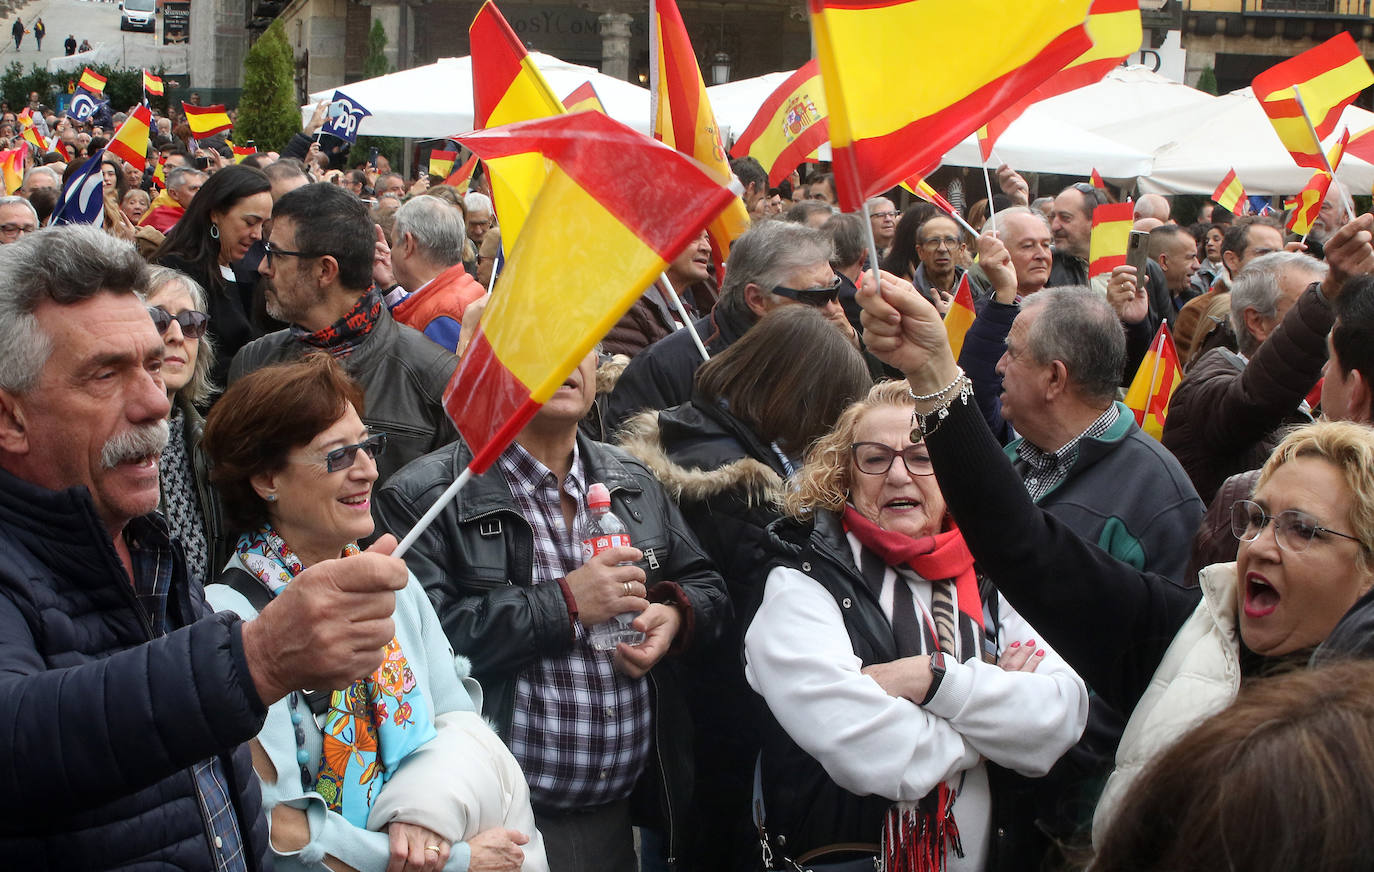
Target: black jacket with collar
[(103, 721), (476, 562)]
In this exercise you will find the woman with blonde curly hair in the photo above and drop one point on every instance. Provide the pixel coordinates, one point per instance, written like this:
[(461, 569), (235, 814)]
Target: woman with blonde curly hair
[(895, 676)]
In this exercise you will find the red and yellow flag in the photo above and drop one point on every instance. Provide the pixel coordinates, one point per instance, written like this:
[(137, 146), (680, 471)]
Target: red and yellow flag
[(960, 315), (12, 168), (1230, 193), (1329, 77), (790, 125), (1307, 205), (92, 82), (441, 162), (1097, 182), (1111, 232), (130, 142), (461, 178), (888, 119), (624, 205), (152, 85), (206, 121), (921, 188), (584, 98), (1154, 383), (507, 87), (30, 133), (1362, 145), (160, 172), (243, 151), (1114, 26)]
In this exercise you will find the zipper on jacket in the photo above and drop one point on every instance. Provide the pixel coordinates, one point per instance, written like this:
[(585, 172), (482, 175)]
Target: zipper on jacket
[(663, 771)]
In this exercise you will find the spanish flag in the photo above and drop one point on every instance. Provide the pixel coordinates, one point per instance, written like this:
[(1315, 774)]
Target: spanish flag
[(616, 207), (1111, 232), (32, 136), (1154, 383), (12, 168), (1362, 145), (130, 142), (1097, 182), (1329, 78), (790, 125), (921, 188), (243, 151), (960, 315), (890, 117), (152, 85), (206, 121), (92, 82), (461, 178), (507, 87), (160, 172), (582, 98), (1114, 26), (683, 118), (441, 162), (1307, 205), (1230, 193)]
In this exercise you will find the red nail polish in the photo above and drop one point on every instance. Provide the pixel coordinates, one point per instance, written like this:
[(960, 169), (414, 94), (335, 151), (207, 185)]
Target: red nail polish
[(1030, 643), (1040, 653), (1016, 644)]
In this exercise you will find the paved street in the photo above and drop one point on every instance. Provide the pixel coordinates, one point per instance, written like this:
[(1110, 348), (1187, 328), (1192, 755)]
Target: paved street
[(84, 19)]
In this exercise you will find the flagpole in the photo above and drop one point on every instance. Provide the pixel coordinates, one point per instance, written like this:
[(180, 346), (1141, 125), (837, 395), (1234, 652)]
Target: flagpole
[(1346, 203), (992, 210), (1154, 371), (872, 249), (428, 517), (686, 319)]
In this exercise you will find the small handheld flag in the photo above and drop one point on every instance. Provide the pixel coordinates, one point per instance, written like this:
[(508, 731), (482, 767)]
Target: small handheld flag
[(92, 81), (583, 98), (461, 178), (345, 116), (83, 197), (152, 85), (1097, 181), (1307, 205), (1154, 383), (83, 106), (130, 142), (243, 151), (1328, 78), (12, 168), (206, 121), (790, 125), (960, 315), (441, 162), (1111, 232), (1230, 194)]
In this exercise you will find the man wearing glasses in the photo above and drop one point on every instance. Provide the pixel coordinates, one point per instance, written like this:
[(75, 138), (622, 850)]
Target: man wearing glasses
[(883, 215), (17, 217), (319, 271), (940, 246)]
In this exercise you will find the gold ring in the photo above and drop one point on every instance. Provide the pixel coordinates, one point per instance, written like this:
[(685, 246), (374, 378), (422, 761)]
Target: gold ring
[(435, 848), (629, 591)]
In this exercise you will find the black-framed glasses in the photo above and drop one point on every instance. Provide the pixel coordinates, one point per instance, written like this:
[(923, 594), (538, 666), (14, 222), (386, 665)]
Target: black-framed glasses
[(193, 324), (875, 458), (886, 213), (343, 458), (1293, 530), (816, 297), (273, 251)]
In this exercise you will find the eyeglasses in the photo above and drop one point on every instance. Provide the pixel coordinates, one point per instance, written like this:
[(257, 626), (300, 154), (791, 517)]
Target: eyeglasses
[(17, 229), (1293, 530), (816, 297), (887, 213), (875, 458), (343, 458), (193, 324), (941, 241), (272, 251)]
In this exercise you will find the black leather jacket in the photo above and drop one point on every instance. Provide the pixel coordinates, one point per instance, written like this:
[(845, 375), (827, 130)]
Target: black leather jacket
[(475, 561)]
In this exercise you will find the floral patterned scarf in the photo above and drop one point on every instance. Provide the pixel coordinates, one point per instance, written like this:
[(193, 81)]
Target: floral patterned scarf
[(371, 725), (344, 335)]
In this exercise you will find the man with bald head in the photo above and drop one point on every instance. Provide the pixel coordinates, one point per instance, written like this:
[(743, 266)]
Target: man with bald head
[(1152, 206)]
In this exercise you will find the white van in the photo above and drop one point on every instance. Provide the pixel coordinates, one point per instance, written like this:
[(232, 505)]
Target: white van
[(138, 15)]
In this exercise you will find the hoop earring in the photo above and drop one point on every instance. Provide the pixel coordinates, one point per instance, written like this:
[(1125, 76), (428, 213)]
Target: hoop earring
[(214, 231)]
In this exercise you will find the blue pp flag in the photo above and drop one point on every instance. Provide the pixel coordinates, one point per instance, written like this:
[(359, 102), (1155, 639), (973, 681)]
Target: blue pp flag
[(345, 114), (83, 198), (1259, 205), (83, 106)]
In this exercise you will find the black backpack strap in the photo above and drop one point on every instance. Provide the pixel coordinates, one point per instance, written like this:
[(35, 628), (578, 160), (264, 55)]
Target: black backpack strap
[(246, 585)]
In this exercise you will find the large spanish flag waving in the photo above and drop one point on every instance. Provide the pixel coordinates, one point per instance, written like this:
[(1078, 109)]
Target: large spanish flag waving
[(1111, 232), (1154, 383), (790, 125), (507, 87), (616, 207), (1329, 77), (890, 117), (131, 141), (683, 118)]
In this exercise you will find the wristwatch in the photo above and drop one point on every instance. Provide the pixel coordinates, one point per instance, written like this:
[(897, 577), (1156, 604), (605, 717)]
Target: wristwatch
[(937, 675)]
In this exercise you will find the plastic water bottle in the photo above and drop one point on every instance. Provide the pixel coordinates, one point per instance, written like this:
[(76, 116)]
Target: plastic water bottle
[(604, 530)]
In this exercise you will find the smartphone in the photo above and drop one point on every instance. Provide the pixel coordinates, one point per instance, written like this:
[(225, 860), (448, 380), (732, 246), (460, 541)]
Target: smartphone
[(372, 158), (1137, 253), (202, 163)]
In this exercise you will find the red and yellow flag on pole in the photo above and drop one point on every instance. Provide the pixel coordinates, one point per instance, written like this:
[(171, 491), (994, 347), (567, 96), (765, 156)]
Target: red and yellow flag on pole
[(206, 121), (12, 168), (1307, 205), (1154, 383), (152, 85), (130, 142), (507, 87), (584, 98), (889, 119), (683, 118), (1230, 193), (461, 178), (441, 162), (1329, 77), (790, 125), (243, 151), (1114, 26), (92, 82), (1111, 232), (960, 315), (921, 188), (1097, 181), (625, 206)]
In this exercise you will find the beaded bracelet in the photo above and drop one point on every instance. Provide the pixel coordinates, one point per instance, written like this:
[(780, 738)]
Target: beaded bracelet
[(925, 398), (921, 427)]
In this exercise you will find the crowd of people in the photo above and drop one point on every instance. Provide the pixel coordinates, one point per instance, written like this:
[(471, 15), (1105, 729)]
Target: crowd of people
[(900, 609)]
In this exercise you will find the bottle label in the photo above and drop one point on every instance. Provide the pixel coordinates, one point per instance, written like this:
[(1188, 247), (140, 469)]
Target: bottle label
[(597, 544)]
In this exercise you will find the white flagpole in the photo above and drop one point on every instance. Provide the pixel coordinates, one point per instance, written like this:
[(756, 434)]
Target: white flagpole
[(686, 319), (428, 517)]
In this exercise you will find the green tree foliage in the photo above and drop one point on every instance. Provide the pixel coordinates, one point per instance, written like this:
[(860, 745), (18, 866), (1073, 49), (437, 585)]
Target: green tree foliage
[(375, 63), (268, 113), (1207, 81), (123, 88)]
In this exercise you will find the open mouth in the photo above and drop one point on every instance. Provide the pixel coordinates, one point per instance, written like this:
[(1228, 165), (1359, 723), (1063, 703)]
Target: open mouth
[(1260, 596), (904, 504), (358, 501)]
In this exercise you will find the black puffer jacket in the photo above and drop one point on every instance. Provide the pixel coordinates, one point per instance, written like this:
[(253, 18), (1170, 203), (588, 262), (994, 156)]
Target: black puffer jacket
[(102, 721), (476, 560)]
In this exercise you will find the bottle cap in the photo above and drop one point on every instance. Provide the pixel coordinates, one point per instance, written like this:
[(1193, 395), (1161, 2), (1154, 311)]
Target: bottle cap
[(598, 496)]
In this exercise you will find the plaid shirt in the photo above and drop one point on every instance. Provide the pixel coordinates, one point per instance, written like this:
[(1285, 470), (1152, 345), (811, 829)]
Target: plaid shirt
[(154, 563), (1044, 471), (580, 728)]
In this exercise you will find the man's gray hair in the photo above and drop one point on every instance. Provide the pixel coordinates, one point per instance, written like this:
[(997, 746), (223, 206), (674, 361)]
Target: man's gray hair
[(200, 388), (437, 228), (1011, 210), (177, 176), (16, 200), (767, 252), (1257, 287), (63, 265), (476, 201), (43, 171), (1076, 325)]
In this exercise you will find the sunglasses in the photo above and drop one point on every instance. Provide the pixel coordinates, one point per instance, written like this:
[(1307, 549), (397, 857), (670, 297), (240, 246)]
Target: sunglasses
[(816, 297), (193, 324), (344, 458)]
